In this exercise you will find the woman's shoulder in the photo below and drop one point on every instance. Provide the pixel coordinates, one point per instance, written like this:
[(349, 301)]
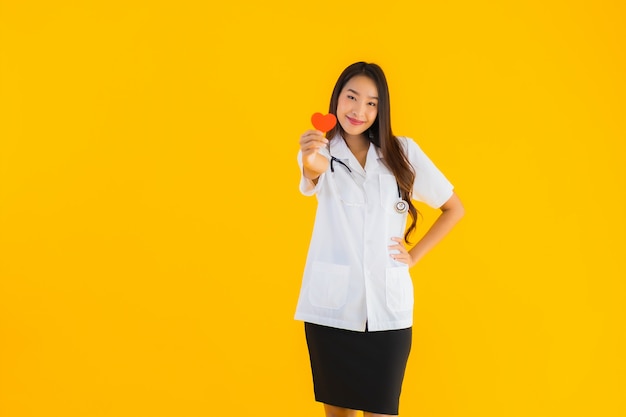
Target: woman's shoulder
[(412, 150), (405, 139), (408, 144)]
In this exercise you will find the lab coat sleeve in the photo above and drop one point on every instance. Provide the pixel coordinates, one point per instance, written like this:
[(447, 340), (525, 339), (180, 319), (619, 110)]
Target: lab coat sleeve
[(430, 186), (307, 187)]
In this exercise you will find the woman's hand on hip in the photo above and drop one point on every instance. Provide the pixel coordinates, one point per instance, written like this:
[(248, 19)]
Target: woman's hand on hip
[(403, 254)]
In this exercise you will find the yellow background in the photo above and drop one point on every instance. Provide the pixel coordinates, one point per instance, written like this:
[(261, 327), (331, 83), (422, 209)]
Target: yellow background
[(152, 236)]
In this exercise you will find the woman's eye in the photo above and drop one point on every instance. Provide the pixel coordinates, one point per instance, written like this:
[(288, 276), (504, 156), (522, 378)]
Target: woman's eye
[(351, 97), (372, 104)]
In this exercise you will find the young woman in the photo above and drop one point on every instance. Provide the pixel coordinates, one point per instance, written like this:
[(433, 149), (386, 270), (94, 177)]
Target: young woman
[(356, 297)]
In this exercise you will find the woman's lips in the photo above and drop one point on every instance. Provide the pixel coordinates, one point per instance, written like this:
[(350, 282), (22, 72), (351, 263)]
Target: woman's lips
[(355, 122)]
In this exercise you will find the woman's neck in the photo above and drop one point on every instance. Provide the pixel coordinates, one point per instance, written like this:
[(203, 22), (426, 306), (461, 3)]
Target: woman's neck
[(357, 143), (359, 146)]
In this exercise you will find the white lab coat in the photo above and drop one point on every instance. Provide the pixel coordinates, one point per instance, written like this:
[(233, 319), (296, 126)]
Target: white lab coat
[(349, 278)]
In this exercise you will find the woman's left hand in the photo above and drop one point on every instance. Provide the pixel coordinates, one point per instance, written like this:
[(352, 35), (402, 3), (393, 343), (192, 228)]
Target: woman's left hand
[(403, 254)]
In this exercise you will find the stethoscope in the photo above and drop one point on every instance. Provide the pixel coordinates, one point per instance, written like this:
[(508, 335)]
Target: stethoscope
[(400, 206)]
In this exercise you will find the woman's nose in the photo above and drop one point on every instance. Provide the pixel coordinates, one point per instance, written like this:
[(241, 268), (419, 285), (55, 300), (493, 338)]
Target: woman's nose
[(358, 109)]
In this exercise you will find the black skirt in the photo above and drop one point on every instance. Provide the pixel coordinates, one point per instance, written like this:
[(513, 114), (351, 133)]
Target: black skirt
[(358, 370)]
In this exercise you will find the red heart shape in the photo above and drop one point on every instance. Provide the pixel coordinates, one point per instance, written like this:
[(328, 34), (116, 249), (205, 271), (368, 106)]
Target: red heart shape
[(323, 122)]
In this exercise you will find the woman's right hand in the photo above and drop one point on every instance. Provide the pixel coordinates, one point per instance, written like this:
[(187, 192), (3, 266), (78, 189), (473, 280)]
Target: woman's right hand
[(313, 163), (310, 142)]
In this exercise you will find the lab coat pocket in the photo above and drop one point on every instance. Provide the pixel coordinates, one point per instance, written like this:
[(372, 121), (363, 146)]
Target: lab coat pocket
[(399, 289), (329, 285), (348, 190)]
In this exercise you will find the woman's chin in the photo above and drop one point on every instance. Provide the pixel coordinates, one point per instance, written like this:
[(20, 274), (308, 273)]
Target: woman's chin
[(354, 131)]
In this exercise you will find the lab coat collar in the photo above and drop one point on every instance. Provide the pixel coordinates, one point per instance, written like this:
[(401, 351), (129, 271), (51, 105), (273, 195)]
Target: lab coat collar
[(339, 149)]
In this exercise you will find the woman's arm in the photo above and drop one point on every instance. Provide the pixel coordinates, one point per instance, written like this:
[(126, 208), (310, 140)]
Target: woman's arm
[(451, 212)]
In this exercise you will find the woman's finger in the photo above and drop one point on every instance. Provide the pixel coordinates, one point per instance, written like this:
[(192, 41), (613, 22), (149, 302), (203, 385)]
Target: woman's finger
[(307, 138)]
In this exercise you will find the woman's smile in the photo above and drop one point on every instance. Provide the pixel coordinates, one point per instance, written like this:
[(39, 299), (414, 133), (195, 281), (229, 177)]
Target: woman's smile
[(355, 122)]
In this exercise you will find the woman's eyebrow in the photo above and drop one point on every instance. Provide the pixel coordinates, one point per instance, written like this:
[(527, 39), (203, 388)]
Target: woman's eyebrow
[(356, 93)]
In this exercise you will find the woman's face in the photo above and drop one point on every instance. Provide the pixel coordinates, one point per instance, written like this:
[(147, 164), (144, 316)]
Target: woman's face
[(357, 107)]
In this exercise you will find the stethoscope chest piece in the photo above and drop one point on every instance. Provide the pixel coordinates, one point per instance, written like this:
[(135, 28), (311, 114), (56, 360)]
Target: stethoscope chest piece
[(401, 206)]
